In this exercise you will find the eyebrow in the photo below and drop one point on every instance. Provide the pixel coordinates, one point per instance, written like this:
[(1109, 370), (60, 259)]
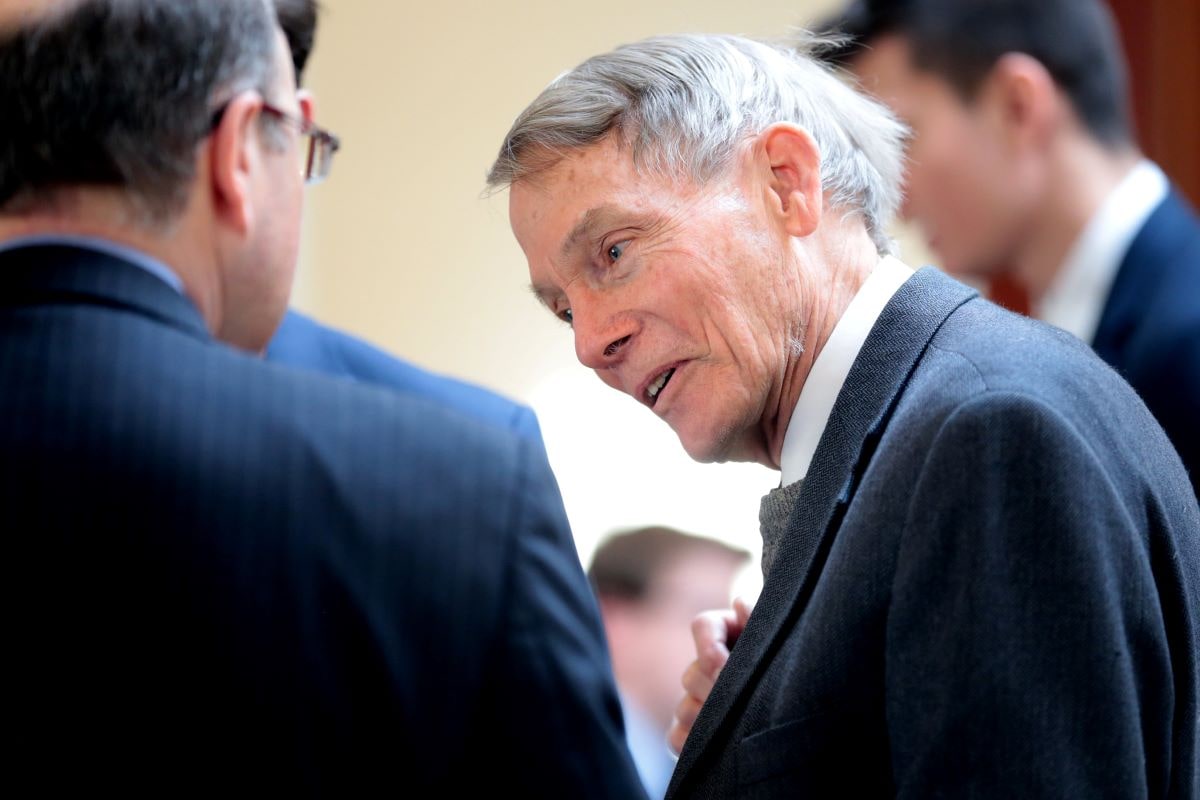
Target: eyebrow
[(593, 218), (544, 294)]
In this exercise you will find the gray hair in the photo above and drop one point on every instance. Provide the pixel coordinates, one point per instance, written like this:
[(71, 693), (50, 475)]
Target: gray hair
[(683, 103)]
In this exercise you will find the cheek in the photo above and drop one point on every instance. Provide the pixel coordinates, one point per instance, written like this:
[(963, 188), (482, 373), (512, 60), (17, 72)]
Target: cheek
[(610, 380)]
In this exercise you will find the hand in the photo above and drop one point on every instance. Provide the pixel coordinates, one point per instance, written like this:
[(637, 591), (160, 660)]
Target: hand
[(714, 633)]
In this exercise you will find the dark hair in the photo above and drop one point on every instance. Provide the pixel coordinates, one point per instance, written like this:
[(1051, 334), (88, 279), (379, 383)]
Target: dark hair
[(298, 18), (627, 564), (961, 40), (118, 93)]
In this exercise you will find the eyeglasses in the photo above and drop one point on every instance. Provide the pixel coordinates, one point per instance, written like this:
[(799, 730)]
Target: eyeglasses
[(317, 158)]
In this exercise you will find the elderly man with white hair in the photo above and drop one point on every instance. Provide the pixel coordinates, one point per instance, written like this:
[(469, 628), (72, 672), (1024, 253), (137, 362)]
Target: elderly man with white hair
[(982, 567)]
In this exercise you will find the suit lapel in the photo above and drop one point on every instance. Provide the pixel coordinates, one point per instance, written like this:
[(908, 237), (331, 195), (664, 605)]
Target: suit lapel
[(887, 358), (50, 274)]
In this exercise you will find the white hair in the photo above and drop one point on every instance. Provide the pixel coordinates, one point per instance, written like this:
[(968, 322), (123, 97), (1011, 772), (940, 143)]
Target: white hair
[(683, 103)]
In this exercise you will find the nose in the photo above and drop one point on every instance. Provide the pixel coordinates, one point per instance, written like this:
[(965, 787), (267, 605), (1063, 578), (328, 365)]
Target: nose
[(601, 339)]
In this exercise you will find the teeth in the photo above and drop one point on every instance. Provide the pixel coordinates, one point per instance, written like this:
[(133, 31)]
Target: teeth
[(656, 387)]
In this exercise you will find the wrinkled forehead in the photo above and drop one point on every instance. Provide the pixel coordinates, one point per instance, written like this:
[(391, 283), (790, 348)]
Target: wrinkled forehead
[(543, 204), (589, 188)]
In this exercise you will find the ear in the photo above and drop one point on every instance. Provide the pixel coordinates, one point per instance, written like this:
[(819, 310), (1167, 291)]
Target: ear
[(233, 159), (790, 162), (1026, 99)]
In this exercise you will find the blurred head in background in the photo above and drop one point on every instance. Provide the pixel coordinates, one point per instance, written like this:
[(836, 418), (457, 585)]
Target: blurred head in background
[(651, 583), (1020, 117)]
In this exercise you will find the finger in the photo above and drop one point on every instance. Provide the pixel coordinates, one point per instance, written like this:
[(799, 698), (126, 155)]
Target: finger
[(741, 611), (686, 712), (696, 682), (676, 736), (710, 631)]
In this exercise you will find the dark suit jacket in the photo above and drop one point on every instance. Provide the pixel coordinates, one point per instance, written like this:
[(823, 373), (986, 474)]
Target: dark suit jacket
[(231, 577), (1149, 330), (989, 587), (303, 342)]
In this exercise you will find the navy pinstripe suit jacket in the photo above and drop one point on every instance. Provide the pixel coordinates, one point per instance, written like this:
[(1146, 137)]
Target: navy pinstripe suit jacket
[(229, 576)]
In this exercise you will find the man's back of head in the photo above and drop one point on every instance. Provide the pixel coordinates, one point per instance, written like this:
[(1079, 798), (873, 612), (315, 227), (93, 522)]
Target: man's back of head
[(161, 126)]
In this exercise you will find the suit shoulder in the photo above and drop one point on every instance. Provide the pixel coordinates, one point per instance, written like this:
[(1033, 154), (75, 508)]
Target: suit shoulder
[(306, 343)]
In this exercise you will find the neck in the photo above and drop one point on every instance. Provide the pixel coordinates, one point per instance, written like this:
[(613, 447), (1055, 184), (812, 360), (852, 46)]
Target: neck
[(1083, 174), (97, 214), (847, 267)]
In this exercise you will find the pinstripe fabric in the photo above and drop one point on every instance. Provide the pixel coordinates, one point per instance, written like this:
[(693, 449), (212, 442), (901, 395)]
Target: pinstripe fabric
[(229, 576), (988, 587)]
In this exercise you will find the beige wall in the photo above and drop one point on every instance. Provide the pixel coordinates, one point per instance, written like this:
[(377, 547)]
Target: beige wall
[(402, 248)]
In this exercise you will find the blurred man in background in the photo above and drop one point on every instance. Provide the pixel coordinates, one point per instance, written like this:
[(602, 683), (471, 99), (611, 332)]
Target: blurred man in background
[(1023, 164), (229, 575), (651, 583)]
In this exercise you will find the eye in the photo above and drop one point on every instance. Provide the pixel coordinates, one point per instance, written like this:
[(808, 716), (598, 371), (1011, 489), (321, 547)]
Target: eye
[(566, 316), (616, 251)]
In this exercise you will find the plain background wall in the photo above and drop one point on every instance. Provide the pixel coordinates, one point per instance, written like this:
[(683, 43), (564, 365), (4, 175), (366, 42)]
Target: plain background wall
[(402, 248)]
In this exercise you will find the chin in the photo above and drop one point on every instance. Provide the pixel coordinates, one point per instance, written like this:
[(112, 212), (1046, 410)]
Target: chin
[(708, 447)]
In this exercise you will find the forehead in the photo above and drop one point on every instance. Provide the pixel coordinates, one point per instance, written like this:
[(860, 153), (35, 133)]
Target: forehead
[(591, 186), (589, 175)]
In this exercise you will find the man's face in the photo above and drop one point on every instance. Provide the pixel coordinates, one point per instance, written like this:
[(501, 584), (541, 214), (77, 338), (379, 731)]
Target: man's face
[(963, 185), (677, 294)]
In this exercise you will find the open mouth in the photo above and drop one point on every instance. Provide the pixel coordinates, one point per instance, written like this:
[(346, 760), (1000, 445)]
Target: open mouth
[(657, 385)]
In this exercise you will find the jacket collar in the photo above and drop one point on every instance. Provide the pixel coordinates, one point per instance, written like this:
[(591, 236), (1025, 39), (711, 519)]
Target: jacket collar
[(55, 274)]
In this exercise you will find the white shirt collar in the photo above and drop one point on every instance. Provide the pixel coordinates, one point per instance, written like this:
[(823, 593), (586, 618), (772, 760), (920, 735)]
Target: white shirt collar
[(1077, 295), (832, 365)]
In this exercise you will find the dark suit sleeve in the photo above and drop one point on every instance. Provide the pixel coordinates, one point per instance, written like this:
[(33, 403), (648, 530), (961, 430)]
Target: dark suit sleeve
[(1027, 654), (1167, 376), (555, 677)]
